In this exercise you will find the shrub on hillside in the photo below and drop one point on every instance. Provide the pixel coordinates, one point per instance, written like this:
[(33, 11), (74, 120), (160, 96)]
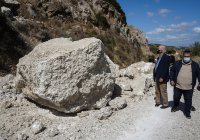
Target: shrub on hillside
[(101, 21), (108, 40)]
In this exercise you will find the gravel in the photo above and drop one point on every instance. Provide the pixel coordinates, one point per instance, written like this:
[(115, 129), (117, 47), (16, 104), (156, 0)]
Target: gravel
[(138, 120)]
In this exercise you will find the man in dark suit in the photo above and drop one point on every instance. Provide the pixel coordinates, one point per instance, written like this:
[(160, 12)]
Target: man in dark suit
[(183, 76), (161, 77)]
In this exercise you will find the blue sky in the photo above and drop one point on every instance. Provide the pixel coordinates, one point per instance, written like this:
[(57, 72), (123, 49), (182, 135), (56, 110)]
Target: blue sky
[(168, 22)]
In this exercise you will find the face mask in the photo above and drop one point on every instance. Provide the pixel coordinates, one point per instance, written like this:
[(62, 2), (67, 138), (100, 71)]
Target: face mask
[(186, 59)]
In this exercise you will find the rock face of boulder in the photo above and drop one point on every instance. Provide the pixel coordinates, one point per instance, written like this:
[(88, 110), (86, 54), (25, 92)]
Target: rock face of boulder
[(67, 76), (135, 80)]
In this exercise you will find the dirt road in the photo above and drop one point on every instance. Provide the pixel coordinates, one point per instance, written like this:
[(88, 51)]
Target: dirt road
[(138, 121), (155, 123)]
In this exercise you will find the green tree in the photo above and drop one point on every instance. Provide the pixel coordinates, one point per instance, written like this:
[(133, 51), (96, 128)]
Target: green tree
[(153, 48), (195, 49), (170, 50)]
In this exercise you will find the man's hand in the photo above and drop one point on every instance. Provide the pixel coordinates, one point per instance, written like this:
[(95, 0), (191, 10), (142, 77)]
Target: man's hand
[(161, 80), (172, 83), (198, 87)]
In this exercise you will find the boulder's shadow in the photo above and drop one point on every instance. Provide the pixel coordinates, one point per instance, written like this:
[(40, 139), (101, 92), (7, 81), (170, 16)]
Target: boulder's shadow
[(117, 92), (53, 111)]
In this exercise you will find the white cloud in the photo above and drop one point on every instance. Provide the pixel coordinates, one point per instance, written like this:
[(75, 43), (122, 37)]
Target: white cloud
[(181, 26), (156, 31), (196, 29), (169, 30), (175, 34), (194, 22), (178, 37), (173, 28), (164, 12), (173, 38), (183, 39), (150, 14)]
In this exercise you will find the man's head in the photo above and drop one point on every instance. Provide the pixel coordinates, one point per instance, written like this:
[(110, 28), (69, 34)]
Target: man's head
[(186, 56), (161, 50)]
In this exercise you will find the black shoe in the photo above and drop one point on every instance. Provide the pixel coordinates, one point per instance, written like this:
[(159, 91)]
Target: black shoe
[(174, 109), (188, 116), (163, 107), (193, 108), (157, 105)]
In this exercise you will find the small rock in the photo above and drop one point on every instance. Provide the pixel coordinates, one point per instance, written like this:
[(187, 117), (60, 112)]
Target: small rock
[(37, 127), (6, 105), (6, 11), (6, 87), (83, 114), (13, 2), (146, 68), (53, 132), (1, 138), (22, 136), (105, 113), (6, 80), (148, 84), (127, 87), (129, 73), (118, 103)]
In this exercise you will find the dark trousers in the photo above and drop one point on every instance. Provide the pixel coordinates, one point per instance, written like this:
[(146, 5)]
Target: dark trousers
[(187, 97)]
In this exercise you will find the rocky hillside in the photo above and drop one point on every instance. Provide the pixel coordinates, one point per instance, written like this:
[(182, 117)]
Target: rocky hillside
[(26, 23)]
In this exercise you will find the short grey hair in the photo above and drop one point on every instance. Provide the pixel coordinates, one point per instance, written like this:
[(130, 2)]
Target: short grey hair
[(163, 48)]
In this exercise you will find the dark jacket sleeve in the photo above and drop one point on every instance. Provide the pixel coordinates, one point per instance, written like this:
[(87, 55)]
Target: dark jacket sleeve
[(172, 59), (154, 75), (165, 71), (172, 73)]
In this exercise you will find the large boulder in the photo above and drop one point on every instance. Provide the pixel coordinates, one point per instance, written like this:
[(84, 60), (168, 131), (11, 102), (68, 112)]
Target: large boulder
[(67, 76), (118, 103)]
